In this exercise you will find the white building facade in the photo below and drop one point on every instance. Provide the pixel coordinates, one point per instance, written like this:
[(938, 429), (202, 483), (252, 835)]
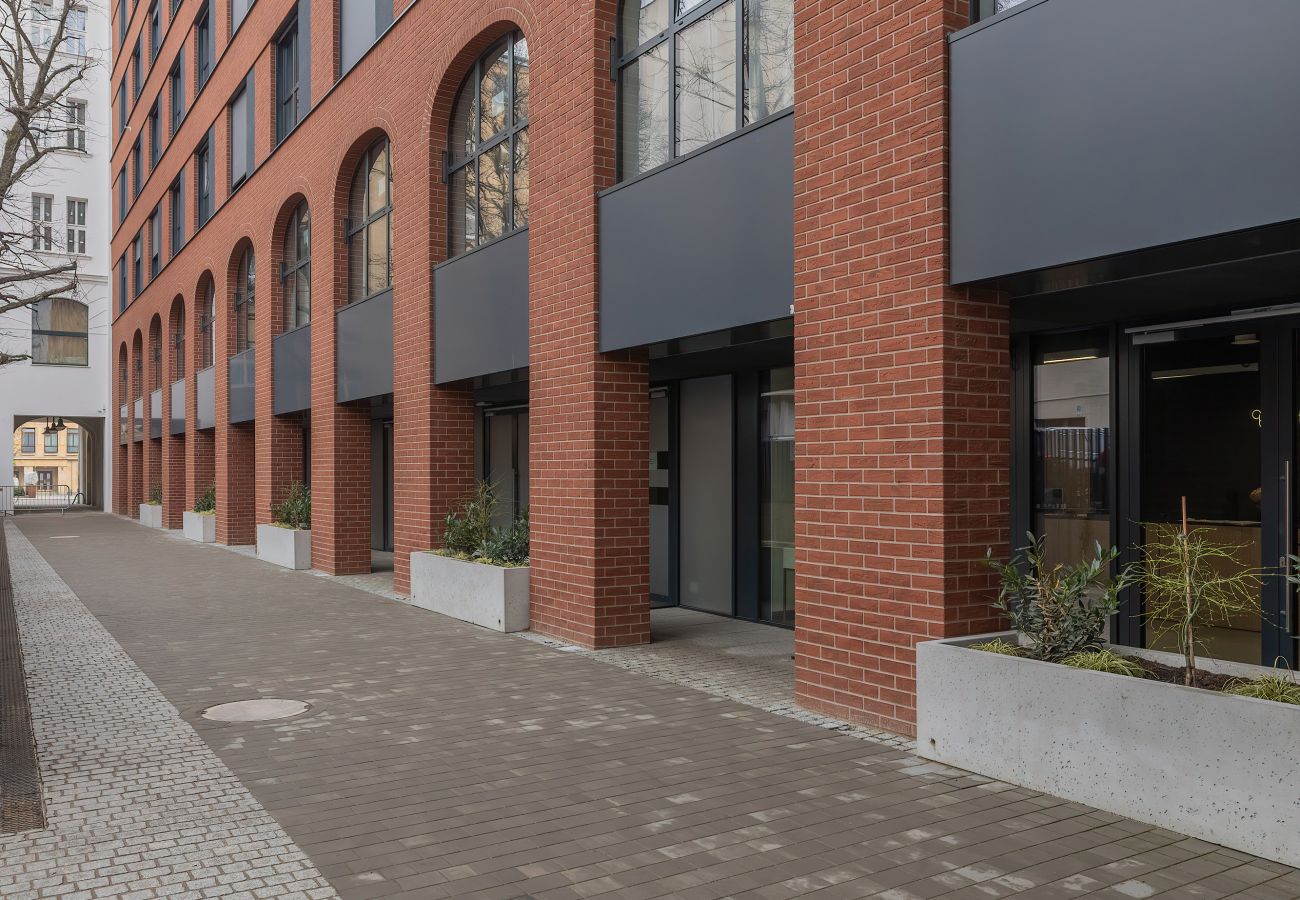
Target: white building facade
[(67, 377)]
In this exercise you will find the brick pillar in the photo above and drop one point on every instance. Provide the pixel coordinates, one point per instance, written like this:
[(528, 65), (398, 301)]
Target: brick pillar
[(173, 445), (236, 460), (278, 439), (120, 466), (902, 382), (135, 449), (200, 464), (589, 429)]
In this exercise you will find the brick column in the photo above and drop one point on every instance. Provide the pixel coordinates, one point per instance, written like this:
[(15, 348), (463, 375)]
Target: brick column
[(902, 382), (152, 445), (135, 449), (589, 430), (173, 445), (121, 451), (200, 446), (278, 440), (235, 450)]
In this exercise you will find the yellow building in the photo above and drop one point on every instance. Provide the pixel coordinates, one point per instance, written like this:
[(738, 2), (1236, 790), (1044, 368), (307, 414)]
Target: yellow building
[(46, 460)]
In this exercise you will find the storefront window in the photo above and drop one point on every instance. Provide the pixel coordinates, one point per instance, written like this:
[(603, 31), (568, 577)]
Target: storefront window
[(776, 421), (1072, 445)]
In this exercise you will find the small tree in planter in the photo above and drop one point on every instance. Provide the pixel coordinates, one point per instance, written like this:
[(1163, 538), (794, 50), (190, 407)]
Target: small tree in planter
[(207, 504), (287, 540), (1061, 609), (200, 523), (1189, 581), (155, 495), (295, 511)]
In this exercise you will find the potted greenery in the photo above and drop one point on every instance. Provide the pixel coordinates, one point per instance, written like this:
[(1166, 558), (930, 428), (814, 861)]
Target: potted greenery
[(200, 523), (287, 540), (1051, 706), (151, 511), (480, 575)]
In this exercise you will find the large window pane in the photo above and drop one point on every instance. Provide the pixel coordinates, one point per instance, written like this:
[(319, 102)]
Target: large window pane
[(463, 124), (520, 163), (461, 222), (642, 20), (706, 79), (494, 93), (776, 526), (378, 197), (643, 112), (378, 261), (769, 57), (1072, 446), (521, 80), (494, 187)]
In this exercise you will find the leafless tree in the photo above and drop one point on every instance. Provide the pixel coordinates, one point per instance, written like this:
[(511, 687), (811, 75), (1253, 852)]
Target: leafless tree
[(43, 60)]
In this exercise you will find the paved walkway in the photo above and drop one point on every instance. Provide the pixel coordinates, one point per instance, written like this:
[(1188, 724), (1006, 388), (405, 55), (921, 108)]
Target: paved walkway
[(442, 760)]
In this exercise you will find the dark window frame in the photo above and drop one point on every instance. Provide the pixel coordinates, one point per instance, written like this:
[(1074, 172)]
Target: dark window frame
[(294, 264), (83, 336), (244, 302), (242, 129), (50, 447), (208, 323), (203, 193), (203, 47), (625, 58), (361, 230), (176, 201), (178, 347), (176, 81), (288, 61), (72, 441), (508, 135), (25, 445), (137, 264), (155, 242)]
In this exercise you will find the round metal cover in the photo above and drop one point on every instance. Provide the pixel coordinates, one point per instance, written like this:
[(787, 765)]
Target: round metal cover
[(261, 710)]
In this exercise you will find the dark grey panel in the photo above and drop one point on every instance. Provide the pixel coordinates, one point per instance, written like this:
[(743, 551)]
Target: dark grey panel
[(177, 424), (137, 426), (1087, 129), (291, 361), (155, 414), (702, 245), (243, 371), (363, 355), (205, 387), (480, 308)]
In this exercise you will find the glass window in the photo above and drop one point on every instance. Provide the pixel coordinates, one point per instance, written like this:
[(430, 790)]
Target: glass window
[(74, 31), (60, 332), (155, 32), (137, 176), (155, 242), (203, 171), (203, 48), (241, 133), (177, 87), (369, 232), (29, 440), (121, 195), (245, 283), (207, 322), (1072, 448), (136, 82), (42, 222), (121, 283), (155, 138), (360, 24), (155, 360), (137, 264), (296, 275), (74, 440), (121, 107), (75, 139), (177, 200), (51, 442), (178, 346), (681, 86), (288, 68), (76, 226), (488, 183), (776, 528), (238, 10)]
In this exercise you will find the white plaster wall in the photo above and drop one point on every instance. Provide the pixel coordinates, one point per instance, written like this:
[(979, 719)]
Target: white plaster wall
[(74, 392)]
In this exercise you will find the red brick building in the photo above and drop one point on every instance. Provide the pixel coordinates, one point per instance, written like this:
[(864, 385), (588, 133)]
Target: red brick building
[(712, 287)]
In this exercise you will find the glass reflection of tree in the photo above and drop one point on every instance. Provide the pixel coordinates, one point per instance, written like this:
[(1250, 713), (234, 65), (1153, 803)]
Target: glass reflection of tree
[(706, 79), (769, 57)]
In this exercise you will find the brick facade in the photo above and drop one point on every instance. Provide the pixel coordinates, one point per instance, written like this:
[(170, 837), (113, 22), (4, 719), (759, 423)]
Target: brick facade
[(902, 381)]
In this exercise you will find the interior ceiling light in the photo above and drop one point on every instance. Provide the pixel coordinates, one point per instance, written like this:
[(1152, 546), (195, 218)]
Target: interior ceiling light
[(1065, 356), (1245, 340)]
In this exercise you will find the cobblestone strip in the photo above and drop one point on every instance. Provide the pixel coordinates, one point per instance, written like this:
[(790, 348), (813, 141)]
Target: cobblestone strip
[(137, 805)]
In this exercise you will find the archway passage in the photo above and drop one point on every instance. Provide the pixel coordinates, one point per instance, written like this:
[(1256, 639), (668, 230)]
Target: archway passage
[(57, 462)]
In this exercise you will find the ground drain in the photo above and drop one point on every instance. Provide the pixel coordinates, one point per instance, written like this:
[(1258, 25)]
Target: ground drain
[(264, 709), (21, 804)]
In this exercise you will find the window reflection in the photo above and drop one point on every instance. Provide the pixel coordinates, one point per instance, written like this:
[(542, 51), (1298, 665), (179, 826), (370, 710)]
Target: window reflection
[(706, 79), (643, 112)]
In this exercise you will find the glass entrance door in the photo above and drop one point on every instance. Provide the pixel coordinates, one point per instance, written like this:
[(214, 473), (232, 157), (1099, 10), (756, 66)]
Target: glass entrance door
[(1202, 439)]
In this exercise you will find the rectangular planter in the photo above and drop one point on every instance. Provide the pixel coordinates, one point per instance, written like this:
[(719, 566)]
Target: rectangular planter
[(491, 596), (201, 527), (151, 515), (1210, 765), (287, 547)]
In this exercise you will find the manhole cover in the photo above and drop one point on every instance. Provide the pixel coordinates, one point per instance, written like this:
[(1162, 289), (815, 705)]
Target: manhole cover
[(262, 710)]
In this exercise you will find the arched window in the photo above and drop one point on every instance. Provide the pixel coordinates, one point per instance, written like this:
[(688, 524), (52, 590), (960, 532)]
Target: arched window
[(60, 332), (207, 322), (369, 226), (295, 273), (680, 87), (245, 295), (488, 148), (155, 358), (178, 342)]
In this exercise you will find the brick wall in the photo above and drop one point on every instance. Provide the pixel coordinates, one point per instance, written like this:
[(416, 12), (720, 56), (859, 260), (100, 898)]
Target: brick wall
[(902, 393)]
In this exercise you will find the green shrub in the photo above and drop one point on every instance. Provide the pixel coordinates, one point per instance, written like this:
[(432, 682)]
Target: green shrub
[(295, 511), (1061, 609), (155, 495), (1104, 661), (208, 502), (1278, 688), (999, 646), (470, 534)]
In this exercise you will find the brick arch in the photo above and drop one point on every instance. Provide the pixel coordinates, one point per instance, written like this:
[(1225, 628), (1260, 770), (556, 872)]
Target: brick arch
[(205, 291), (273, 289), (136, 373), (156, 352), (226, 307), (344, 175)]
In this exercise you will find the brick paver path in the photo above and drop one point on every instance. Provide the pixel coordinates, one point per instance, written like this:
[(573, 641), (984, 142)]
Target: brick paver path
[(442, 760)]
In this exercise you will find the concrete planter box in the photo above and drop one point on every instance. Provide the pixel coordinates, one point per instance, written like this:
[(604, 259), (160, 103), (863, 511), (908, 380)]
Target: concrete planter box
[(151, 515), (491, 596), (1210, 765), (201, 527), (287, 547)]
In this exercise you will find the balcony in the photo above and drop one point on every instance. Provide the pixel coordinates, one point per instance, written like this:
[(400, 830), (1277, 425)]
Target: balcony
[(241, 387), (701, 244), (480, 303), (177, 423), (205, 398), (363, 355), (291, 363), (1083, 129)]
